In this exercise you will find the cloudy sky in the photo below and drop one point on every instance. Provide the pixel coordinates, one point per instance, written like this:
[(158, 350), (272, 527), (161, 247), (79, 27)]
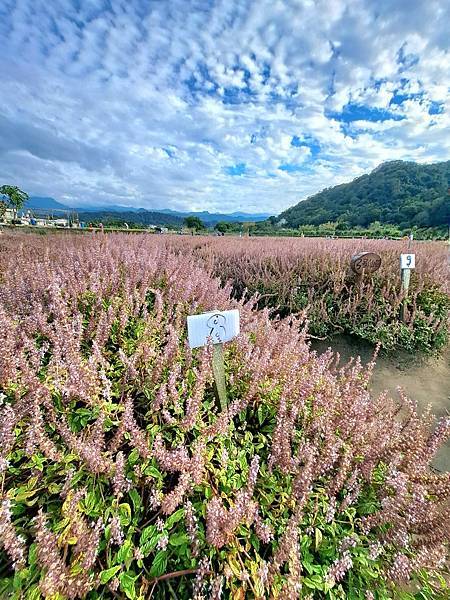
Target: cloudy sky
[(217, 104)]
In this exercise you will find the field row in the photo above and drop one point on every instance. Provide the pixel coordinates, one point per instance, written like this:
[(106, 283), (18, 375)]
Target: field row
[(123, 477), (291, 275)]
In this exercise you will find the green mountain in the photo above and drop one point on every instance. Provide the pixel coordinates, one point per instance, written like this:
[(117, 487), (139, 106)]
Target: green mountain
[(397, 192)]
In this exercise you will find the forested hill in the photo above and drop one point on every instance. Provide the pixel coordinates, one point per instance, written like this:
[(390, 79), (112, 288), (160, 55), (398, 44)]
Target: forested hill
[(398, 192)]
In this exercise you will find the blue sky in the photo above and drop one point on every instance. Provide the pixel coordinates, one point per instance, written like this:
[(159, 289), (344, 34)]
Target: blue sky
[(217, 105)]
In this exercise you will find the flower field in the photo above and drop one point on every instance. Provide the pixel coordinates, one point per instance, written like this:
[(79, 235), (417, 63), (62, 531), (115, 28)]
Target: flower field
[(123, 478), (293, 274)]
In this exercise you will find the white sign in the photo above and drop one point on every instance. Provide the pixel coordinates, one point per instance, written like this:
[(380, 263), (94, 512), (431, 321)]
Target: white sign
[(216, 327), (407, 261)]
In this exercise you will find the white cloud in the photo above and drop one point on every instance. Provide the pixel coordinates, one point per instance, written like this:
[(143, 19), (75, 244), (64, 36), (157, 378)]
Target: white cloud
[(148, 103)]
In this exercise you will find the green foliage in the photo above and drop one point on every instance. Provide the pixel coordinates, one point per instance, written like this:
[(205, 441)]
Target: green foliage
[(16, 197), (3, 208), (401, 193), (223, 226), (364, 321), (342, 229), (193, 222)]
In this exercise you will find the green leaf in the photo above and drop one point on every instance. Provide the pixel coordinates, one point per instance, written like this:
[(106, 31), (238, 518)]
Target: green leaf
[(150, 545), (314, 582), (127, 585), (159, 564), (34, 593), (124, 514), (308, 566), (255, 542), (260, 413), (147, 533), (90, 502), (318, 538), (125, 551), (153, 472), (23, 494), (178, 539), (242, 461), (19, 577), (174, 518), (108, 574), (32, 554), (133, 457), (136, 499)]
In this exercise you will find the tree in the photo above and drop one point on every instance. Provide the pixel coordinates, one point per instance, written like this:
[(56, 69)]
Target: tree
[(193, 223), (16, 197), (222, 226), (3, 207)]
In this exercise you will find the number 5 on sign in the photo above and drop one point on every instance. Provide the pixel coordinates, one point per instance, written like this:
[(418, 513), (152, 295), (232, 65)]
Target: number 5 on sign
[(407, 261)]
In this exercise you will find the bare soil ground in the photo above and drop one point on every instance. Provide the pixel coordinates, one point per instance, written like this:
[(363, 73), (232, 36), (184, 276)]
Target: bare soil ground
[(424, 379)]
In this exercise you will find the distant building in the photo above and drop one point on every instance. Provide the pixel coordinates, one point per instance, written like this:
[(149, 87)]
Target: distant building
[(59, 222), (9, 215)]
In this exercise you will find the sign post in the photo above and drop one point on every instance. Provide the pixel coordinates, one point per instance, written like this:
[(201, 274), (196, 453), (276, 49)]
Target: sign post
[(218, 366), (365, 262), (216, 327), (407, 263)]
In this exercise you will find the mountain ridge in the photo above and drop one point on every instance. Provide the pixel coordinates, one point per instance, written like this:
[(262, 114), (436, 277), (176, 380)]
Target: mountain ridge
[(44, 202), (397, 192), (124, 212)]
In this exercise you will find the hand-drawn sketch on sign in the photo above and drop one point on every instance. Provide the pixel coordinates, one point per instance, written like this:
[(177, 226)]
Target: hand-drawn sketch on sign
[(217, 324), (217, 327), (365, 262)]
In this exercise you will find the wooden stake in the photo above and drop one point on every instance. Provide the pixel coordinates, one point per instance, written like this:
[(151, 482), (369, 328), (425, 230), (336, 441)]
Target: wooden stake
[(219, 374), (406, 276)]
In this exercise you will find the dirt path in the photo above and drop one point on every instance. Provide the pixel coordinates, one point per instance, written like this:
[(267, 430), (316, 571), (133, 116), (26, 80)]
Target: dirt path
[(426, 380)]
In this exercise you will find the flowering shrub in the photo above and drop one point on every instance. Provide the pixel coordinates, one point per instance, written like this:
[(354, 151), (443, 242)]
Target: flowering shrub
[(121, 476), (292, 274)]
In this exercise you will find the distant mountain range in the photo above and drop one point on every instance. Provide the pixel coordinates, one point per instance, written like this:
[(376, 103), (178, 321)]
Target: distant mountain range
[(141, 215), (397, 192), (44, 203), (208, 217)]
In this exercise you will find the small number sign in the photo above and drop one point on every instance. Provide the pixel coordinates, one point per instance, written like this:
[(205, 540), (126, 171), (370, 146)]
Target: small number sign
[(216, 327), (407, 261)]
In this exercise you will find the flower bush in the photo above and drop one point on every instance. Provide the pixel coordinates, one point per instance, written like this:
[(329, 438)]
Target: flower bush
[(292, 274), (121, 476)]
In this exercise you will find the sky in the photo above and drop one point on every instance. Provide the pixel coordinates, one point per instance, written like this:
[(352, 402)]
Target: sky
[(219, 105)]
